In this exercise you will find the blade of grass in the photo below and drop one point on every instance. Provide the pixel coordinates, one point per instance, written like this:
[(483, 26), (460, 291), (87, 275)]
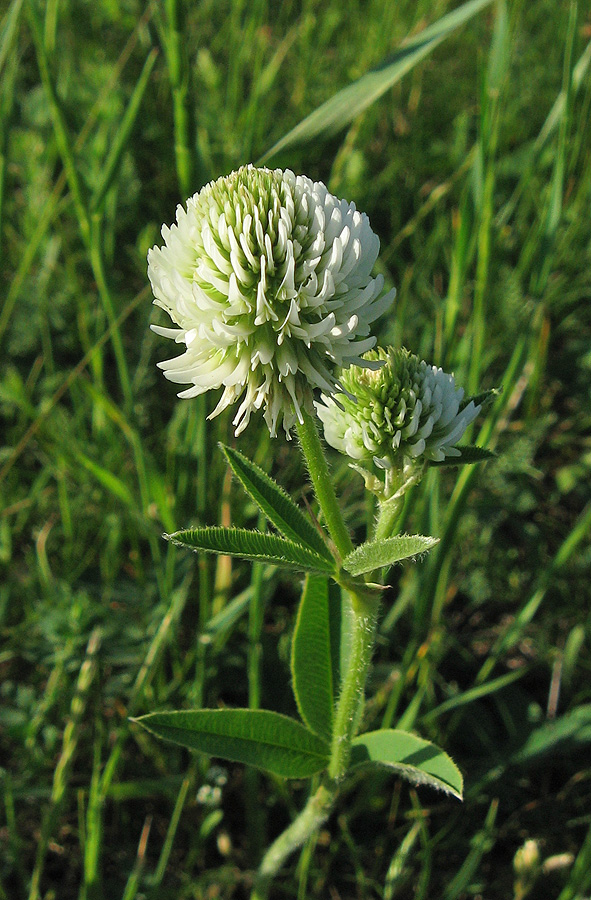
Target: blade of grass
[(59, 124), (66, 384), (133, 882), (551, 123), (484, 198), (9, 30), (349, 102), (255, 813), (424, 875), (8, 36), (175, 52), (50, 25), (579, 880), (156, 880), (14, 840), (149, 489), (475, 693), (513, 634), (395, 873), (120, 141), (541, 239), (554, 212), (544, 244), (190, 175), (52, 205), (90, 889), (64, 765), (482, 843), (7, 85), (437, 568), (144, 676), (89, 229)]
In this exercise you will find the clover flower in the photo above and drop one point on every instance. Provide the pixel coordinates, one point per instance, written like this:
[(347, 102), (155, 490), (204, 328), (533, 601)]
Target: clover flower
[(268, 277), (399, 416)]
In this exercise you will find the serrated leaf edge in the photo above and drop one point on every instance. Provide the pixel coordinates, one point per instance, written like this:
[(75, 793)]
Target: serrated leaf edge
[(323, 565), (311, 537), (359, 551), (403, 767)]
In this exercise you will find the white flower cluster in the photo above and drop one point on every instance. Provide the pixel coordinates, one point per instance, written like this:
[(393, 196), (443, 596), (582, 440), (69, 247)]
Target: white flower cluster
[(268, 277), (399, 416)]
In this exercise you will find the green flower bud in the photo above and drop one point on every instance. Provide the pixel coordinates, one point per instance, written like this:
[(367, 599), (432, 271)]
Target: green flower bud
[(398, 414)]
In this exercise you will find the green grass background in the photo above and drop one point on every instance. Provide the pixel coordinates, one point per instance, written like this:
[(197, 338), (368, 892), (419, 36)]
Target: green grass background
[(475, 170)]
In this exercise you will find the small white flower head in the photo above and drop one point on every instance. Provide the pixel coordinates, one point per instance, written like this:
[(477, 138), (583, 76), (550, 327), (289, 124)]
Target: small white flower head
[(268, 277), (399, 416)]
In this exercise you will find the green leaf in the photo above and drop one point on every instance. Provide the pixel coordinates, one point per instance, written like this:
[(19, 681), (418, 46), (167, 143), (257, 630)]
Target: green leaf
[(111, 482), (348, 103), (311, 657), (340, 617), (413, 758), (569, 731), (258, 737), (484, 398), (375, 554), (275, 503), (253, 545), (469, 456)]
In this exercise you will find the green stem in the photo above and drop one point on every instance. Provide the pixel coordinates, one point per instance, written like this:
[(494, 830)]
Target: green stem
[(313, 815), (323, 487), (387, 517), (255, 818), (179, 75), (363, 623), (320, 804), (96, 261)]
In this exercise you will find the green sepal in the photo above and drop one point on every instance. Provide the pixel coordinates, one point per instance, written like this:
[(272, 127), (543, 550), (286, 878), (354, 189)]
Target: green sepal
[(267, 740), (376, 554), (253, 545), (413, 758), (469, 456), (275, 503), (484, 398)]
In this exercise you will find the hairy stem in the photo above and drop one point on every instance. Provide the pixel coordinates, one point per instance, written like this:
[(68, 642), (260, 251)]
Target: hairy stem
[(323, 486), (353, 684), (321, 802), (388, 515), (363, 622), (313, 815)]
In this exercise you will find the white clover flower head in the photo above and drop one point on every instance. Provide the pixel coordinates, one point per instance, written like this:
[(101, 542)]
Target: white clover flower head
[(398, 416), (268, 277)]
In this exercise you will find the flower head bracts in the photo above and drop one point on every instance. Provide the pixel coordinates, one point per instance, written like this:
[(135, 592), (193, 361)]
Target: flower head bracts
[(400, 416), (268, 277)]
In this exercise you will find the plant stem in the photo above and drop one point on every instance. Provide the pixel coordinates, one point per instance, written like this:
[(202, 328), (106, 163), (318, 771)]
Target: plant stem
[(313, 815), (323, 486), (320, 804), (387, 517), (363, 623)]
